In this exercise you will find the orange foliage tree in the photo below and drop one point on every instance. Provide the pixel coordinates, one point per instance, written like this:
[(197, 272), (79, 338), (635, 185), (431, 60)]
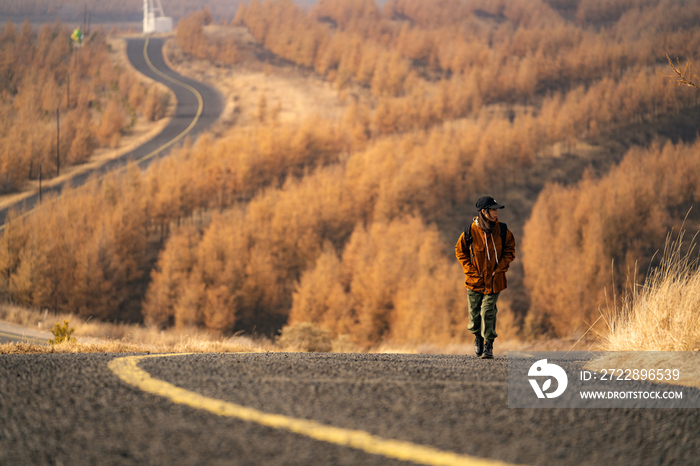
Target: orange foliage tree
[(42, 73), (583, 244), (393, 282), (84, 254), (192, 39)]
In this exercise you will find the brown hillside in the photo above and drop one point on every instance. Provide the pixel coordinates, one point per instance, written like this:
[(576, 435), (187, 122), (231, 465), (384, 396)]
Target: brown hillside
[(344, 209)]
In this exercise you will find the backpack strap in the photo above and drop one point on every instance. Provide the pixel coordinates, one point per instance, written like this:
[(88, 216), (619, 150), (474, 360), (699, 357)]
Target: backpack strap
[(468, 238), (504, 232)]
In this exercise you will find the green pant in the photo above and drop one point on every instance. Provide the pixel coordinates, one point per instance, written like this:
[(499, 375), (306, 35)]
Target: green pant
[(482, 314)]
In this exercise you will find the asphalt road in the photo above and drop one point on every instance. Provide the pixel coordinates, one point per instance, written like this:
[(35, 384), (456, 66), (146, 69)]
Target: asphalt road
[(74, 409), (198, 107), (11, 333)]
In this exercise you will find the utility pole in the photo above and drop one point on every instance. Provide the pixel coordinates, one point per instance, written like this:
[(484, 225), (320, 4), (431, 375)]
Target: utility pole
[(68, 90), (39, 183), (58, 144)]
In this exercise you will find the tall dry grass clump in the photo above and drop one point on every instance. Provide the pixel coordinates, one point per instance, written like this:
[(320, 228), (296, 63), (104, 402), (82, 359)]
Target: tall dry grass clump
[(662, 315)]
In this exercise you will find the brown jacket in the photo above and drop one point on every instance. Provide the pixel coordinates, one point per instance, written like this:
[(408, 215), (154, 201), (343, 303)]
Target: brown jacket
[(485, 257)]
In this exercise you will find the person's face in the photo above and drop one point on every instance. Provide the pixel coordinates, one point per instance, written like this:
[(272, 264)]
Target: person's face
[(491, 214)]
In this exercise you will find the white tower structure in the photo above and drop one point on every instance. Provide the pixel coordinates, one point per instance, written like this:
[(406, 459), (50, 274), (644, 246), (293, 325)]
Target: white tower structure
[(153, 23)]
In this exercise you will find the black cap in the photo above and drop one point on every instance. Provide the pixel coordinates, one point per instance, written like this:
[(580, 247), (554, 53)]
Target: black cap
[(487, 202)]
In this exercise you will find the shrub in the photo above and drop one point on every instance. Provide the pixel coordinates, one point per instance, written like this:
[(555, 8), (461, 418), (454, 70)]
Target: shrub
[(156, 104), (62, 333), (344, 344), (305, 336), (112, 124)]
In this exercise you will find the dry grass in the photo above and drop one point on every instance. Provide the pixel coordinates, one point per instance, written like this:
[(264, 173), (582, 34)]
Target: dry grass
[(502, 346), (661, 315), (658, 327), (104, 337), (185, 345), (292, 94), (306, 337)]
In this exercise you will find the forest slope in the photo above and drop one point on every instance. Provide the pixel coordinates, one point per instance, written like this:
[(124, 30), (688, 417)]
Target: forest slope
[(350, 222), (45, 77)]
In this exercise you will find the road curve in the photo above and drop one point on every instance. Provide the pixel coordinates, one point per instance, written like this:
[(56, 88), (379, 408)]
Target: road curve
[(75, 409), (12, 333), (198, 107)]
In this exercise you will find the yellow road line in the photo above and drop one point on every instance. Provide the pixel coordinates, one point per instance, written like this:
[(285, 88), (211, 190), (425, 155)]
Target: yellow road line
[(196, 93), (128, 370), (160, 149)]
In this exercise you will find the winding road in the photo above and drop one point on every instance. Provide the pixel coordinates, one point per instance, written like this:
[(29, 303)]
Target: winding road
[(309, 409), (198, 107)]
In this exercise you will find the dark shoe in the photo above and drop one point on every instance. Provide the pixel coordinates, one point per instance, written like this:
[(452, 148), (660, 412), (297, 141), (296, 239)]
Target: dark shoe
[(488, 350), (479, 345)]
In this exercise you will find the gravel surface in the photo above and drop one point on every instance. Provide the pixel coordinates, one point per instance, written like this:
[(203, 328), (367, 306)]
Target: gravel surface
[(71, 409)]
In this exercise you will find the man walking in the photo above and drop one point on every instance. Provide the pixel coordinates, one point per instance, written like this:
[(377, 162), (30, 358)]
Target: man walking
[(485, 250)]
